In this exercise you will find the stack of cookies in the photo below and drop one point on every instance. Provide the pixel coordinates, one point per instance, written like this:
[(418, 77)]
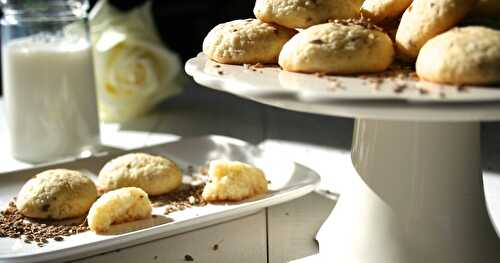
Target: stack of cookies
[(353, 36)]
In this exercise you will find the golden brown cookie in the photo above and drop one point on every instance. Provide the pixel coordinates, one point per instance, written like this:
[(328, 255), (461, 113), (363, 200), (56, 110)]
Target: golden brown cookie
[(425, 19), (233, 181), (469, 55), (380, 11), (154, 174), (336, 48), (304, 13), (248, 41), (119, 206), (56, 194)]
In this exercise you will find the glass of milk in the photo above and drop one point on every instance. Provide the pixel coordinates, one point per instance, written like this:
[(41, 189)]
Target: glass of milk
[(48, 79)]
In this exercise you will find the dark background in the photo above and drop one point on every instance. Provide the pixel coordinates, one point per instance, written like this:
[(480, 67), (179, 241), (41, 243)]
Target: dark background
[(184, 23)]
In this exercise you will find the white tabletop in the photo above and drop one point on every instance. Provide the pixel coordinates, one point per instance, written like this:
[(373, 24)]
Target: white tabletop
[(319, 142)]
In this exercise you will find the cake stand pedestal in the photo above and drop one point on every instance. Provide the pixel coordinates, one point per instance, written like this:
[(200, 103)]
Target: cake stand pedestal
[(419, 194)]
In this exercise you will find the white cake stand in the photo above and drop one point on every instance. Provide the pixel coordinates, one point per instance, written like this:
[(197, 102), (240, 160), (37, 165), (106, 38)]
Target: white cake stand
[(419, 195)]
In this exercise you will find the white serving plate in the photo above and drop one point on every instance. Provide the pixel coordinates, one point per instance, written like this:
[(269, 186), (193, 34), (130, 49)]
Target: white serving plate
[(269, 81), (356, 99), (289, 180)]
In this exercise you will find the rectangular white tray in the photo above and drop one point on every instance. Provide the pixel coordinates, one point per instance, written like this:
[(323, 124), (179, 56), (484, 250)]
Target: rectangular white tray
[(289, 180)]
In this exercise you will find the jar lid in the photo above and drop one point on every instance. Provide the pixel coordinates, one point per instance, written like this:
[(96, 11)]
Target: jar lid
[(44, 7)]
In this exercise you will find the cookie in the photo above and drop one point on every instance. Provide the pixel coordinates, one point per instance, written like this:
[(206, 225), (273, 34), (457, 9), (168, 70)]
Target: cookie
[(490, 8), (119, 206), (304, 13), (249, 41), (56, 194), (154, 174), (469, 55), (337, 48), (233, 181), (380, 11), (425, 19)]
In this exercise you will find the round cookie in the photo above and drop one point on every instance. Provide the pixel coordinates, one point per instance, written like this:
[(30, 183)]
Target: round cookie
[(56, 194), (380, 11), (248, 41), (425, 19), (154, 174), (304, 13), (469, 55), (119, 206), (336, 48), (233, 181)]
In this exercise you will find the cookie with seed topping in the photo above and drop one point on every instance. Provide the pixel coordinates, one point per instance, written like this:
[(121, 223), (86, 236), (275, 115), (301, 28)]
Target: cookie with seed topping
[(380, 11), (338, 48), (468, 56), (304, 13), (425, 19), (248, 41), (154, 174), (56, 194)]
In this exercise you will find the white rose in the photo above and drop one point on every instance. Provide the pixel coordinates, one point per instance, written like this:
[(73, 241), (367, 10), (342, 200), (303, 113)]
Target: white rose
[(134, 71)]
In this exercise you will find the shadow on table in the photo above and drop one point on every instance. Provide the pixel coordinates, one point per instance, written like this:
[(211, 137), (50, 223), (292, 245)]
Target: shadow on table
[(490, 147), (201, 111)]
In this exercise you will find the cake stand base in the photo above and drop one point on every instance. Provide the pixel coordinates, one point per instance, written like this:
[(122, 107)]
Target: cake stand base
[(418, 198)]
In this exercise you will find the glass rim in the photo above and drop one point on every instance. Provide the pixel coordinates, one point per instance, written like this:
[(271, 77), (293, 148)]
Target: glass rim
[(44, 7)]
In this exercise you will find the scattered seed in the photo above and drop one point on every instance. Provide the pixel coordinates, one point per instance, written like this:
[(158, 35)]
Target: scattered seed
[(14, 225), (423, 91), (317, 42), (181, 199), (462, 88), (400, 88)]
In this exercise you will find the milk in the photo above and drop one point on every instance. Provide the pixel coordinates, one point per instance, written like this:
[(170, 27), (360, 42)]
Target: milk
[(50, 98)]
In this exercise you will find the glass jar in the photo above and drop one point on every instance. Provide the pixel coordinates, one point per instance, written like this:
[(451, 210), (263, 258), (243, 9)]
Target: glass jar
[(48, 79)]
